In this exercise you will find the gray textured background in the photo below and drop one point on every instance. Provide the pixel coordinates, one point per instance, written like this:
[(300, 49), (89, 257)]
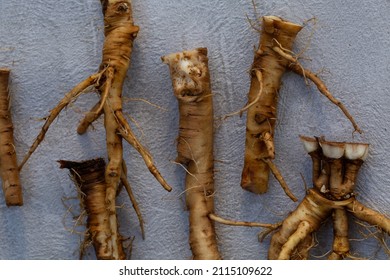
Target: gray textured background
[(52, 45)]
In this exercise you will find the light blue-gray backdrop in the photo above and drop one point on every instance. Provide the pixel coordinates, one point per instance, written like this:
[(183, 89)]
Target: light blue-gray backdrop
[(52, 45)]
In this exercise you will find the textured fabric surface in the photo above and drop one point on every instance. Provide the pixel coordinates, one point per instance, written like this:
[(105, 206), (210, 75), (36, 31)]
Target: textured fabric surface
[(52, 45)]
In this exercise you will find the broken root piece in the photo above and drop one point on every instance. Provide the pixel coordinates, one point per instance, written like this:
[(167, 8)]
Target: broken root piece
[(191, 85), (272, 58), (267, 70), (9, 171), (102, 225)]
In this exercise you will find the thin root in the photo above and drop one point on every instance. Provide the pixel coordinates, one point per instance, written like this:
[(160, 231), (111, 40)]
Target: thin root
[(257, 28), (128, 135), (263, 234), (239, 112), (280, 179), (224, 221), (145, 101), (127, 186), (68, 98), (298, 68), (97, 110)]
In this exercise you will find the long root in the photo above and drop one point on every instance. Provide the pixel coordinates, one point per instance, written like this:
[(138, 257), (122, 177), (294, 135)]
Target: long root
[(120, 32), (224, 221), (119, 35), (191, 85)]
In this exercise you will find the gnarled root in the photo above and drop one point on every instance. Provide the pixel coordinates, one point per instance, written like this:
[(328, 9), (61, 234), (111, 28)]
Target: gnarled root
[(272, 58), (191, 85), (120, 32), (101, 222), (267, 70), (9, 171), (335, 169), (304, 220), (287, 243)]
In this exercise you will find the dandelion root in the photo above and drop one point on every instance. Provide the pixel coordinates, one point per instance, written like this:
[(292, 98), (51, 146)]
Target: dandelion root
[(191, 86), (12, 188), (120, 32), (101, 222), (335, 169), (272, 58), (267, 70)]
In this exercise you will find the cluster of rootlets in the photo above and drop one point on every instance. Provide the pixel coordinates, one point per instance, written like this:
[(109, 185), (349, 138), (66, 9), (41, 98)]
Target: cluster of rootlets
[(335, 164)]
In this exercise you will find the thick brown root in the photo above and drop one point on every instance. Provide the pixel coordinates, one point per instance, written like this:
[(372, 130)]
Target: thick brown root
[(308, 210), (9, 171), (191, 85), (340, 230), (370, 216), (102, 225), (261, 115), (272, 58)]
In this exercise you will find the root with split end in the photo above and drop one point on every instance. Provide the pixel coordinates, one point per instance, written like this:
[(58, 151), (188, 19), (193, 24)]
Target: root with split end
[(332, 194), (101, 222)]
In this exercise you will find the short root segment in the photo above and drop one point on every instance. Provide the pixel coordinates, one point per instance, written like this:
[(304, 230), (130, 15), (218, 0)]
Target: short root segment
[(340, 230), (9, 171), (102, 225)]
